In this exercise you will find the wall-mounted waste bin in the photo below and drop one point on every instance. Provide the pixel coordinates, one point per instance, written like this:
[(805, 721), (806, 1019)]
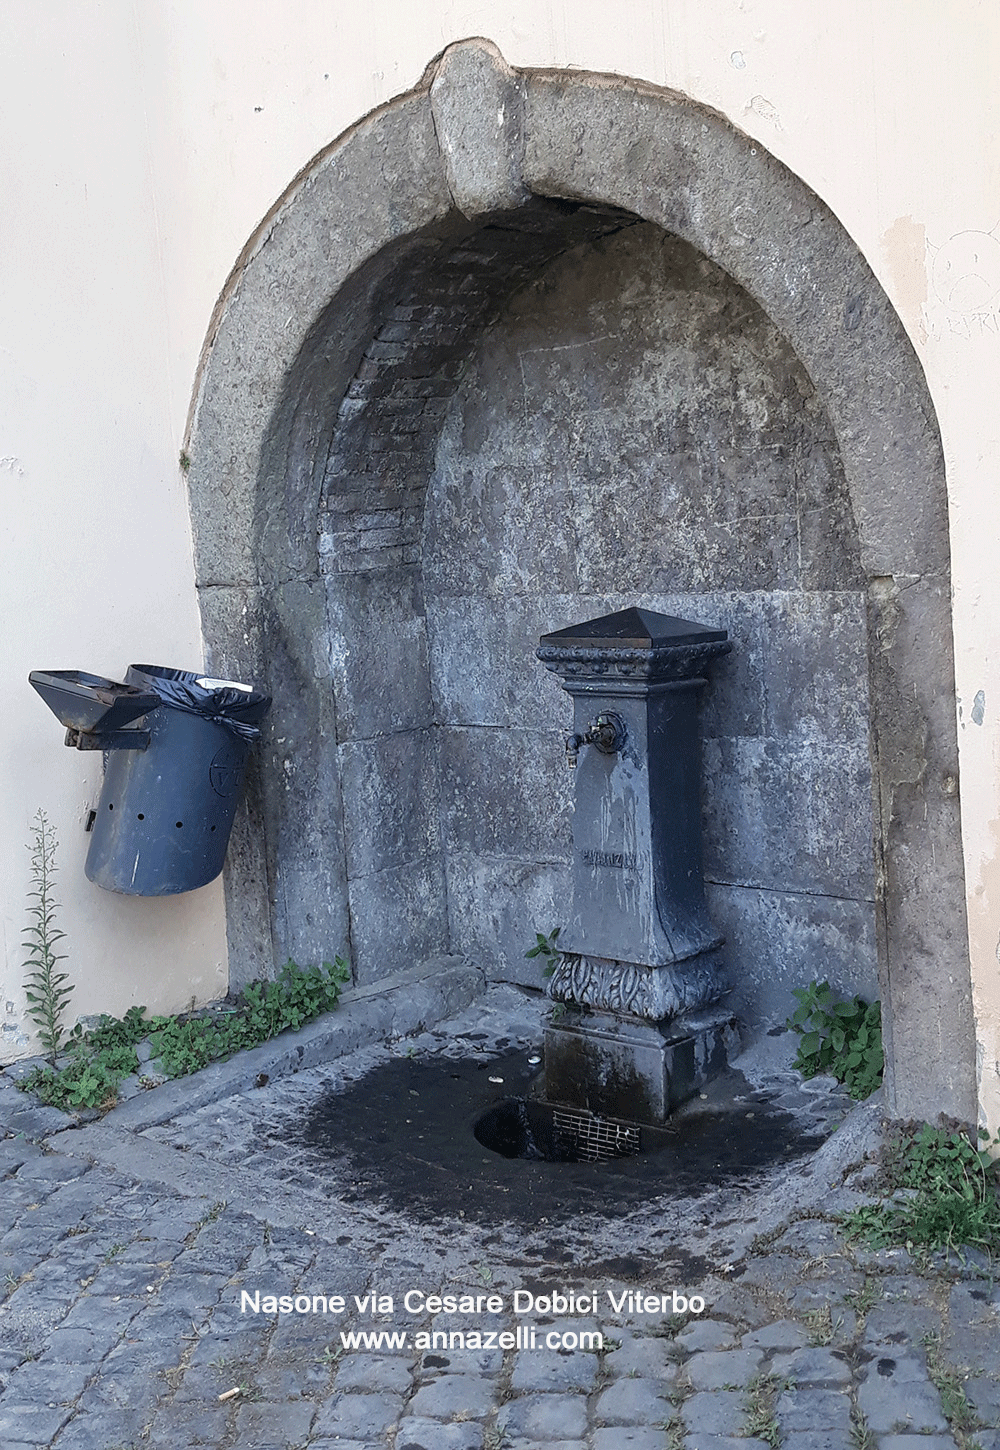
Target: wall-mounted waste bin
[(163, 822)]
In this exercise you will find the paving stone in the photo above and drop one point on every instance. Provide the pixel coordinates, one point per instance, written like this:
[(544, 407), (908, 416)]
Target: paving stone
[(126, 1391), (38, 1123), (453, 1394), (713, 1412), (358, 1416), (706, 1334), (186, 1425), (31, 1238), (101, 1315), (984, 1394), (820, 1294), (39, 1423), (722, 1369), (971, 1346), (16, 1151), (819, 1440), (104, 1430), (559, 1371), (633, 1437), (373, 1372), (522, 1444), (284, 1424), (48, 1382), (544, 1417), (723, 1442), (896, 1324), (811, 1366), (743, 1306), (415, 1433), (193, 1292), (633, 1402), (917, 1442), (776, 1273), (896, 1394), (464, 1361), (782, 1334), (338, 1444), (647, 1355), (813, 1409)]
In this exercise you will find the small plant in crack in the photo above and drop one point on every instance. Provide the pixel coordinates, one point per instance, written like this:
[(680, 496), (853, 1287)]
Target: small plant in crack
[(761, 1423), (862, 1437), (950, 1384), (819, 1323), (863, 1299)]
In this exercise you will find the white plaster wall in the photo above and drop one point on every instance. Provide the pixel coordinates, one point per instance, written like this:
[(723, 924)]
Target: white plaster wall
[(143, 143)]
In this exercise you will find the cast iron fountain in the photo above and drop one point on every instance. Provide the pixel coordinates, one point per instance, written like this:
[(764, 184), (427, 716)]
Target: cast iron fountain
[(639, 954)]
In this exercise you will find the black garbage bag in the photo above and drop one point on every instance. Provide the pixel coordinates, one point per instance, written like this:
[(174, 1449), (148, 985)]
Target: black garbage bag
[(224, 702)]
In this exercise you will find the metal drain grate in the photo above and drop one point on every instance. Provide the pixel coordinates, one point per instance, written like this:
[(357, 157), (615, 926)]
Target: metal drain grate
[(585, 1137)]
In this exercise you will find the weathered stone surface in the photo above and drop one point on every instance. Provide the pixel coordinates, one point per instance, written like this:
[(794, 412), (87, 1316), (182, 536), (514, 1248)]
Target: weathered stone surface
[(789, 816), (567, 1371), (398, 915), (496, 908), (776, 941), (415, 1433), (378, 653), (358, 1415), (478, 103), (632, 1402), (390, 786), (813, 1409), (896, 1393), (452, 1394), (707, 1334), (812, 1366), (724, 1368), (505, 795), (543, 1418), (713, 1412)]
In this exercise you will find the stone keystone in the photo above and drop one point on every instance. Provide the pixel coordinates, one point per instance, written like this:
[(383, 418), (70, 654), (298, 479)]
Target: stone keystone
[(477, 103)]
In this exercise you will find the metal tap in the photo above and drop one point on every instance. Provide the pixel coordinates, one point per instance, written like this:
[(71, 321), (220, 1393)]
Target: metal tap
[(607, 734)]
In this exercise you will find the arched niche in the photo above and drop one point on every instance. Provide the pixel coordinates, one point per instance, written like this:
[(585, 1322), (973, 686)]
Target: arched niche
[(325, 417)]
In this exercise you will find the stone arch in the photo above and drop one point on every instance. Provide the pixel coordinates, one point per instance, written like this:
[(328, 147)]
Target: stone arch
[(330, 363)]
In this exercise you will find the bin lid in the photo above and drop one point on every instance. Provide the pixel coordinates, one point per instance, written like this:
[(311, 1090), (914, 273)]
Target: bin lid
[(92, 703)]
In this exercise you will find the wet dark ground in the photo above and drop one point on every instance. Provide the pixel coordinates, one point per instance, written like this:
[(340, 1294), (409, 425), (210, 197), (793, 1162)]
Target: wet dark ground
[(404, 1134)]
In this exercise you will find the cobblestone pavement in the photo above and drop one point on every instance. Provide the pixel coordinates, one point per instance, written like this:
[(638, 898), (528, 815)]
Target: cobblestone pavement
[(126, 1251)]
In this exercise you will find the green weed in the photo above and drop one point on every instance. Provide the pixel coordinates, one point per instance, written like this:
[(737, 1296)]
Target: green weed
[(950, 1194), (841, 1038), (100, 1058), (44, 986), (546, 948)]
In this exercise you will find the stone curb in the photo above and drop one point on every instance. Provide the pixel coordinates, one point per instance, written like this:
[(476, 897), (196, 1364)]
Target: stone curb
[(394, 1007)]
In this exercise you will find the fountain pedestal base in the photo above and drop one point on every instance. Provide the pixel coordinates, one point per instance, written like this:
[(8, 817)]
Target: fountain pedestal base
[(624, 1067)]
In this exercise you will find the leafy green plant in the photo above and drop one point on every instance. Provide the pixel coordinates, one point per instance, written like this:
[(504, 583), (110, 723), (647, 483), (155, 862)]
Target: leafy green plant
[(546, 948), (945, 1193), (843, 1038), (45, 987), (89, 1080), (262, 1010), (100, 1058)]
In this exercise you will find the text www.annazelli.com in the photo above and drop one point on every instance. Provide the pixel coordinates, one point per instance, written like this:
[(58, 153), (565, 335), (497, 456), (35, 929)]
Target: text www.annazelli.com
[(525, 1336)]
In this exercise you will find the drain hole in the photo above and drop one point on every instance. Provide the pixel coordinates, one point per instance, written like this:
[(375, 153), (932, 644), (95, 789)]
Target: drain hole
[(521, 1128), (140, 817), (178, 824)]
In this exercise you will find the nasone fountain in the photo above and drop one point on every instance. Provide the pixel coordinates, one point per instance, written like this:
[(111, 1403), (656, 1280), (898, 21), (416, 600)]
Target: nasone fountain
[(639, 957)]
